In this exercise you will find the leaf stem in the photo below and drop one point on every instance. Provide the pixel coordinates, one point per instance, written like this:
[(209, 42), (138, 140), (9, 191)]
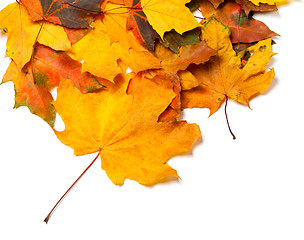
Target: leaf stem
[(33, 51), (83, 9), (93, 11), (202, 18), (239, 23), (63, 196), (227, 118)]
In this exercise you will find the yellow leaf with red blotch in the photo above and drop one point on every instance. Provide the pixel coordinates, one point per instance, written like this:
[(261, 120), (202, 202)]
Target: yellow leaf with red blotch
[(22, 34), (123, 128), (170, 14), (225, 76), (124, 45)]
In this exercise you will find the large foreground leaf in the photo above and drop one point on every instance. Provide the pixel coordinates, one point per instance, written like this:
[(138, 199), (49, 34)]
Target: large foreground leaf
[(124, 129)]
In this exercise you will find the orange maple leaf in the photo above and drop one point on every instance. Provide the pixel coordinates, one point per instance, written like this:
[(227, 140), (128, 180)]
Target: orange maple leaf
[(38, 77), (123, 128), (224, 76)]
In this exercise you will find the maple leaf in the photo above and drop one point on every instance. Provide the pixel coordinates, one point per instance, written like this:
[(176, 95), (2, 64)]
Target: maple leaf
[(58, 65), (224, 76), (243, 29), (35, 95), (98, 58), (167, 15), (124, 129), (23, 33), (49, 68), (68, 13), (146, 35)]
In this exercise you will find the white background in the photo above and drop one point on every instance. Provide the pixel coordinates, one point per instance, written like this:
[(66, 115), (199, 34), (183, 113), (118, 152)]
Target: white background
[(249, 188)]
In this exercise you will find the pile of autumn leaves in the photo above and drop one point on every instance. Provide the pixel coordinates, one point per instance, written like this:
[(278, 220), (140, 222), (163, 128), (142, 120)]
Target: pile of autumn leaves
[(85, 48)]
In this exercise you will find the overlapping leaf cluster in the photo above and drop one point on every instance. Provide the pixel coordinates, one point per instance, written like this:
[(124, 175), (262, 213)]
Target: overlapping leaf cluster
[(85, 47)]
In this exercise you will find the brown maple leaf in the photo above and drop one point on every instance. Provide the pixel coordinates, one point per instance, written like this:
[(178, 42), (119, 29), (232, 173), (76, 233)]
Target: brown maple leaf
[(243, 28), (138, 23), (68, 13)]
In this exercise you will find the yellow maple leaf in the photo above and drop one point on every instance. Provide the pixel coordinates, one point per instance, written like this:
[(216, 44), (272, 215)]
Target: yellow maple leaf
[(224, 76), (23, 33), (123, 128), (95, 50), (170, 14)]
